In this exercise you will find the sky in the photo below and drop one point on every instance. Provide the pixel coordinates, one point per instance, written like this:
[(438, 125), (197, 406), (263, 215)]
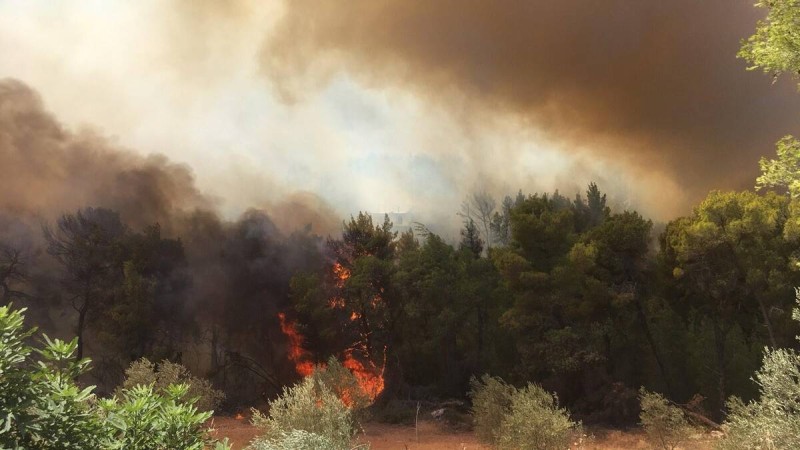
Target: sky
[(405, 105)]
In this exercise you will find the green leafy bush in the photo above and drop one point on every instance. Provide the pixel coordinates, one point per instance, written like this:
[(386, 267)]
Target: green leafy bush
[(343, 384), (41, 406), (308, 406), (522, 419), (773, 421), (295, 440), (143, 419), (665, 424), (491, 401), (145, 373)]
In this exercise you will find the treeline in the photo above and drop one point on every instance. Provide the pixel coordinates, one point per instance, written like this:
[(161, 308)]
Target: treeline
[(575, 296), (206, 297), (582, 299)]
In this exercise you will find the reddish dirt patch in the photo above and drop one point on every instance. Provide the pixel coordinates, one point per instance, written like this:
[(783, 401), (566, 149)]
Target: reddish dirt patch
[(433, 437)]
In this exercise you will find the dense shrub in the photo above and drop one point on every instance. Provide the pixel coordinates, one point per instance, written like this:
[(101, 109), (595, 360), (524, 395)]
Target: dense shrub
[(773, 421), (522, 419), (491, 401), (343, 384), (665, 424), (41, 406), (295, 440), (307, 406), (166, 373), (142, 419)]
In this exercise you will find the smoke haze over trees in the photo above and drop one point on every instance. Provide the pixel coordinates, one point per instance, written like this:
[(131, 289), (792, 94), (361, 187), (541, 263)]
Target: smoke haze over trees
[(499, 269)]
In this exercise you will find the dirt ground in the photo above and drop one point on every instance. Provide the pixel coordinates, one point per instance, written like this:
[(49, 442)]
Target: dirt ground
[(433, 437)]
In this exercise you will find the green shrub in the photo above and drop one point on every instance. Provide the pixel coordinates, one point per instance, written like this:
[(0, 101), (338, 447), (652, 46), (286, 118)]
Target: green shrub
[(536, 422), (343, 383), (295, 440), (166, 373), (41, 406), (522, 419), (143, 419), (665, 425), (773, 421), (491, 401), (308, 406)]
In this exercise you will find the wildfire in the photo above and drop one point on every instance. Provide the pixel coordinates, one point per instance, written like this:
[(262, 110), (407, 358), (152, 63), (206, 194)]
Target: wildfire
[(370, 378), (297, 354), (342, 273)]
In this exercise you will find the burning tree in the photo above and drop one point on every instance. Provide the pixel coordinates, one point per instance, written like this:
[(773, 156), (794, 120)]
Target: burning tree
[(350, 305)]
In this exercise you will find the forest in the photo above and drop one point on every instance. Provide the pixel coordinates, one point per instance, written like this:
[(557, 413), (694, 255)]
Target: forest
[(575, 293)]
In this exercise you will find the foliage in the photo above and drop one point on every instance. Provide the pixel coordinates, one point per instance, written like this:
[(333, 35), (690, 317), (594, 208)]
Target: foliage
[(783, 172), (296, 440), (729, 264), (42, 407), (511, 418), (343, 384), (308, 406), (665, 424), (491, 401), (144, 373), (772, 421), (775, 45), (536, 422), (144, 419)]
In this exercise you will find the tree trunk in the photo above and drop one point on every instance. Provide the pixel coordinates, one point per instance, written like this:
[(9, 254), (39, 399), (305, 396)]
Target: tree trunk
[(652, 342), (81, 326), (481, 330), (719, 344), (767, 323)]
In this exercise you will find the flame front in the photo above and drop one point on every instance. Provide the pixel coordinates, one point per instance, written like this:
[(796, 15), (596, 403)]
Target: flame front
[(370, 378), (297, 354)]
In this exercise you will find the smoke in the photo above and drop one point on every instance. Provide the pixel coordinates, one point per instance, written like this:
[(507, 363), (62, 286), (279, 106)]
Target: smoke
[(651, 87)]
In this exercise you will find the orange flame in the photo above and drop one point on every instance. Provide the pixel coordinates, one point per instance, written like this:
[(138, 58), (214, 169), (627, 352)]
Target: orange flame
[(297, 354), (342, 273), (370, 379)]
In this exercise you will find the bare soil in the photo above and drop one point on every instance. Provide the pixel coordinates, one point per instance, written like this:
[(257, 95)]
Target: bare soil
[(431, 436)]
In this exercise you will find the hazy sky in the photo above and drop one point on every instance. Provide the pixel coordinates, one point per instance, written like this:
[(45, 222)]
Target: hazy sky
[(395, 105)]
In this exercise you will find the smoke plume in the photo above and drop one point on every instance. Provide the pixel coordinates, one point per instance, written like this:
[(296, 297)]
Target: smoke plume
[(654, 85)]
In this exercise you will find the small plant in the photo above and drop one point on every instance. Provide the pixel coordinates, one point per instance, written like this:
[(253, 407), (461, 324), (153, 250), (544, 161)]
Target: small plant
[(41, 406), (295, 440), (522, 419), (308, 406), (143, 373), (665, 424)]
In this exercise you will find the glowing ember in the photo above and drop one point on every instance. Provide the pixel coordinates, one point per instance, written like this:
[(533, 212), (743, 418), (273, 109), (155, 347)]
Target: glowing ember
[(297, 354)]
